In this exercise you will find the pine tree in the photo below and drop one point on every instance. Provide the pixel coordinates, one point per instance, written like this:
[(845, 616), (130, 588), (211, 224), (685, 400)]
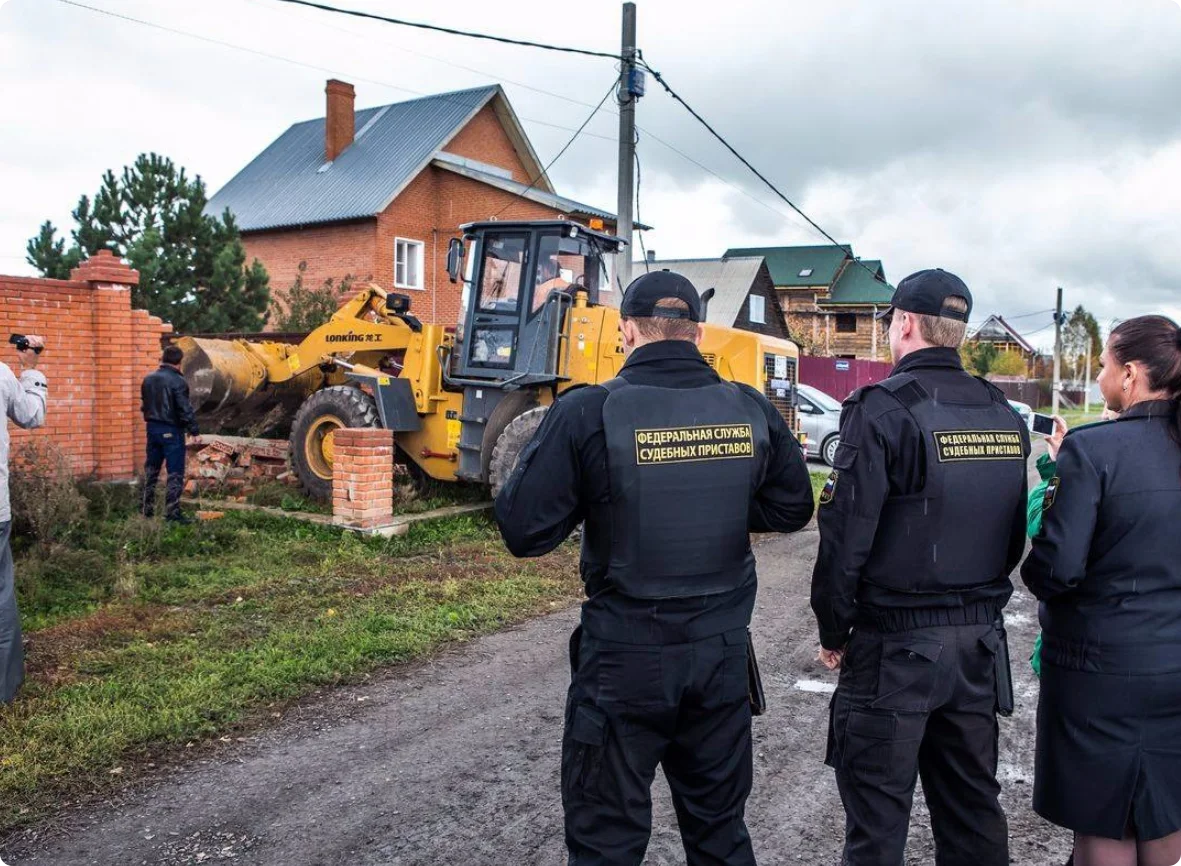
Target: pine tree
[(47, 253), (193, 269)]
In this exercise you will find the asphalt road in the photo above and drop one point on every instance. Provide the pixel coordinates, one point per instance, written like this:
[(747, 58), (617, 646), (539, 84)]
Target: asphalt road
[(455, 761)]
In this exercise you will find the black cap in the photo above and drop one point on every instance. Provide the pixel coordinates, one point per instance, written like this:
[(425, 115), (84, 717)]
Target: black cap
[(924, 292), (646, 290)]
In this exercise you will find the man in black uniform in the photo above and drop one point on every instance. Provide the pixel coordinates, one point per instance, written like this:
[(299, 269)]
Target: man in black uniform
[(921, 522), (169, 414), (671, 468)]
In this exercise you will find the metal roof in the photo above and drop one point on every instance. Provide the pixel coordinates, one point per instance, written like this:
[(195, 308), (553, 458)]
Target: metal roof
[(290, 183), (857, 285), (795, 267), (450, 162), (730, 278)]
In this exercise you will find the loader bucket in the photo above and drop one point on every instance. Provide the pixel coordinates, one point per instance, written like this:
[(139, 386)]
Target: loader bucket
[(229, 387), (220, 373)]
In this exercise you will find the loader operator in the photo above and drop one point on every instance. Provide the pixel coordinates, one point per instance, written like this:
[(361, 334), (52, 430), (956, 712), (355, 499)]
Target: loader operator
[(671, 468), (169, 415), (921, 522)]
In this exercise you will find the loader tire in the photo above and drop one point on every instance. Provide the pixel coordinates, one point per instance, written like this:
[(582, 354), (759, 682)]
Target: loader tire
[(510, 444), (313, 432)]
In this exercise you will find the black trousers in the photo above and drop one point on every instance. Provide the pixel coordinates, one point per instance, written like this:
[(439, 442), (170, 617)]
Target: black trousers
[(632, 707), (166, 446), (913, 703)]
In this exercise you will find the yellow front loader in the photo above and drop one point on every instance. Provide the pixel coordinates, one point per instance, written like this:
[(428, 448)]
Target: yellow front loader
[(536, 321)]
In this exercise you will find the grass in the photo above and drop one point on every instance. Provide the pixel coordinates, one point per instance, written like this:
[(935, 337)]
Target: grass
[(408, 498), (147, 637), (818, 479)]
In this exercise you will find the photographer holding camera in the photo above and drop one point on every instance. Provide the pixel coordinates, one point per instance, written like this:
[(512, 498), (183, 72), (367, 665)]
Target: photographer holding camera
[(22, 400)]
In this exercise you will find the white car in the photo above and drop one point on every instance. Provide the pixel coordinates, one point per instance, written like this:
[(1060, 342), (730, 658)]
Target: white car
[(820, 419), (1022, 409)]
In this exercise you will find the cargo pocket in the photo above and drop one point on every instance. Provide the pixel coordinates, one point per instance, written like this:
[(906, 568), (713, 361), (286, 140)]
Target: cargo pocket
[(735, 670), (907, 675), (582, 759), (868, 744)]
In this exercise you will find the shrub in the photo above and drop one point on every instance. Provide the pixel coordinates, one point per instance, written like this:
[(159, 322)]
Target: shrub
[(46, 502)]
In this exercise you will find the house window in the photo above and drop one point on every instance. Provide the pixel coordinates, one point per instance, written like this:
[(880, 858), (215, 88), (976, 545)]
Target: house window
[(408, 263), (806, 272), (758, 310), (846, 323)]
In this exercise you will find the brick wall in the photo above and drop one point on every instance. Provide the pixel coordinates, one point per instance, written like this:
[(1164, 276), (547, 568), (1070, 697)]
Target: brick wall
[(330, 251), (97, 351), (484, 139), (363, 477)]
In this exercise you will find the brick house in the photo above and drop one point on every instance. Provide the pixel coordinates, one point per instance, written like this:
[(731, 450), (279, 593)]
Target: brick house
[(744, 295), (829, 298), (378, 193)]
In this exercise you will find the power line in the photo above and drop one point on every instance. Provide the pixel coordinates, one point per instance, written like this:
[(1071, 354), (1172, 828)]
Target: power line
[(676, 96), (574, 101), (294, 62), (505, 40), (450, 30), (639, 218), (565, 147), (379, 83)]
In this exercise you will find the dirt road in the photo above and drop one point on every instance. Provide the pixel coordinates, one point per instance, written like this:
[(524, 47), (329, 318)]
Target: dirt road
[(456, 762)]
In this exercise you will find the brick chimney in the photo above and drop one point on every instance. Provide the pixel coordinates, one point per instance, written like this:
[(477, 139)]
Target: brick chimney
[(338, 123)]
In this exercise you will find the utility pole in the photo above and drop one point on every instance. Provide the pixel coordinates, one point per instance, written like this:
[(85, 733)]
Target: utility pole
[(1087, 382), (631, 88), (1057, 352)]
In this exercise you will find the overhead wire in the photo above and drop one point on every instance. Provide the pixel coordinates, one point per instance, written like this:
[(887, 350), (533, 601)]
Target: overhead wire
[(290, 60), (545, 171), (356, 13), (294, 62), (771, 186), (508, 41)]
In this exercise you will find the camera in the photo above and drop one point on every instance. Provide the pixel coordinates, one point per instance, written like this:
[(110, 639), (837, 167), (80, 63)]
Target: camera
[(22, 343)]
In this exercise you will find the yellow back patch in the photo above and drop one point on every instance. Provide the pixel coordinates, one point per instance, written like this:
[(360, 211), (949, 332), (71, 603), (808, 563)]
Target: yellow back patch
[(956, 445), (690, 444)]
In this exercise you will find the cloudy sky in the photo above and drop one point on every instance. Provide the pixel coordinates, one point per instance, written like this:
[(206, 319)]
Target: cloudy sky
[(1024, 144)]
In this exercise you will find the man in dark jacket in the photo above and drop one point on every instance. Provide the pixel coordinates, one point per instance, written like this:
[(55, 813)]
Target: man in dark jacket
[(169, 414), (671, 468), (921, 522)]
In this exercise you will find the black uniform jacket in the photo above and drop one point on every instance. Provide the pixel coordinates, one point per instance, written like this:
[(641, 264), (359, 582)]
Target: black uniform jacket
[(1107, 562), (165, 398), (562, 475), (890, 462)]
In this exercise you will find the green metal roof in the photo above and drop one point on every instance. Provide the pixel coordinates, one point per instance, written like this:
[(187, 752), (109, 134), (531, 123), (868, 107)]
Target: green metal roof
[(799, 266), (859, 286)]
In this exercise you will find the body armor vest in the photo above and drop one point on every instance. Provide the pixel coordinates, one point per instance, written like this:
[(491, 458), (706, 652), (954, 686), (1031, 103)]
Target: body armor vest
[(683, 464), (953, 534)]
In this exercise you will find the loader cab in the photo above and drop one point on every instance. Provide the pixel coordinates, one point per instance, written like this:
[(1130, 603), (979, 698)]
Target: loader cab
[(519, 281)]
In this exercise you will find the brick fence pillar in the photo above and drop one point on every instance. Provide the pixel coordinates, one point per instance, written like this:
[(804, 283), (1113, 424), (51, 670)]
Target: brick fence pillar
[(114, 369), (363, 477)]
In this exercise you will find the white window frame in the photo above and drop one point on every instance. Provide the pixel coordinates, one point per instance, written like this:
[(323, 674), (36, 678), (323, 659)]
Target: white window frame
[(419, 250), (762, 305)]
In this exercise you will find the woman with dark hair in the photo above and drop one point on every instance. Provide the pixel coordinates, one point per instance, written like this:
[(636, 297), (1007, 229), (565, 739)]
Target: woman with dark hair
[(1107, 568)]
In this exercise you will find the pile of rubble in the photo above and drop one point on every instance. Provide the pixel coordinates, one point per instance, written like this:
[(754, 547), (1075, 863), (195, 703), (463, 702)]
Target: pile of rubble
[(235, 465)]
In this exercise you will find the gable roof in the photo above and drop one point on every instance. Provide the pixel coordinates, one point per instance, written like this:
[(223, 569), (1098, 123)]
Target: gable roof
[(730, 278), (467, 168), (856, 285), (291, 184), (995, 329), (800, 266)]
